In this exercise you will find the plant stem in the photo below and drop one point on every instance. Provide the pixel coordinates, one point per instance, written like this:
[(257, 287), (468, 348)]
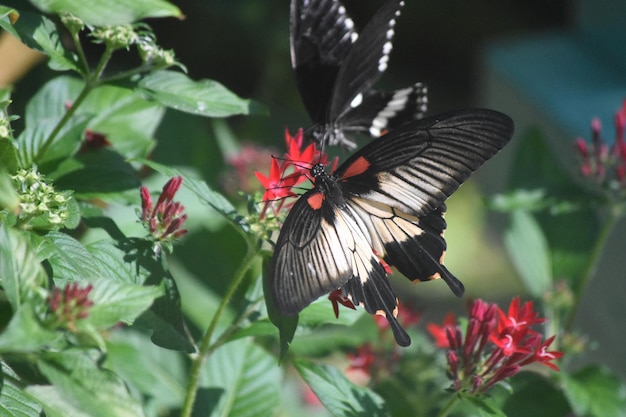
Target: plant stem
[(201, 356), (448, 407), (91, 82), (589, 271)]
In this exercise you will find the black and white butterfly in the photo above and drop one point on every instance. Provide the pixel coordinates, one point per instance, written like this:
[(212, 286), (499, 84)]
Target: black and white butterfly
[(384, 202), (336, 68)]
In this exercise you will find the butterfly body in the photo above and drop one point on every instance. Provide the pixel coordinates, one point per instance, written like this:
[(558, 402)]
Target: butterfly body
[(383, 205), (336, 68)]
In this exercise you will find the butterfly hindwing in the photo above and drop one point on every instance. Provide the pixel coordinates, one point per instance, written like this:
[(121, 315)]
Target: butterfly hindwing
[(366, 62), (321, 247), (336, 68)]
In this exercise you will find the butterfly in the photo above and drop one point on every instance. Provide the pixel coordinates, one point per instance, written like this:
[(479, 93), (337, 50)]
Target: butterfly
[(335, 69), (383, 205)]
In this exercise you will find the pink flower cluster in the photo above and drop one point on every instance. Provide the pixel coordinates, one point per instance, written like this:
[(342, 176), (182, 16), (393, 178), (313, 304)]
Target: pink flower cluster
[(495, 345), (69, 304), (606, 167)]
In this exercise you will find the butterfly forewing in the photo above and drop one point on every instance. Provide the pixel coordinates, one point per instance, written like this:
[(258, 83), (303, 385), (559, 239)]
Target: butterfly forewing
[(321, 34), (367, 60), (420, 164)]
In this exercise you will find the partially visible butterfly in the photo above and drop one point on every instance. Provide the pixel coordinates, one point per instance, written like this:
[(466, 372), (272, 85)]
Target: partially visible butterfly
[(335, 70), (386, 202)]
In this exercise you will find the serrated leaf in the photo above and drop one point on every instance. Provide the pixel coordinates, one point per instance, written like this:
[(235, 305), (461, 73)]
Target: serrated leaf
[(115, 302), (69, 259), (25, 333), (204, 98), (341, 397), (20, 269), (529, 252), (200, 188), (86, 386), (242, 380), (40, 33), (13, 401), (595, 391), (111, 12)]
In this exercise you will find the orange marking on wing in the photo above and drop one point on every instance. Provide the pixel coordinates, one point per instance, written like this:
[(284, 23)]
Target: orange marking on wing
[(315, 201), (357, 167)]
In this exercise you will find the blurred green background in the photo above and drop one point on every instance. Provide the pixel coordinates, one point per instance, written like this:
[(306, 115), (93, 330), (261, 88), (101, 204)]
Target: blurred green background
[(470, 53)]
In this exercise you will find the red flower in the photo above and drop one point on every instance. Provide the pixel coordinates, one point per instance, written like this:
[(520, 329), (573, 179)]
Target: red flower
[(277, 185), (496, 345), (336, 297), (440, 333), (164, 221), (363, 359)]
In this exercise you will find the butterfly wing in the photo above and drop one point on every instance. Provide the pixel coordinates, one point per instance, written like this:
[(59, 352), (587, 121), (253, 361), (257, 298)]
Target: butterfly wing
[(321, 34), (417, 166), (384, 110), (366, 61)]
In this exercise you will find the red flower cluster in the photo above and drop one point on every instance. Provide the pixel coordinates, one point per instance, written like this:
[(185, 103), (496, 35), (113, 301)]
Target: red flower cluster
[(496, 345), (606, 167), (292, 171), (165, 219), (69, 304)]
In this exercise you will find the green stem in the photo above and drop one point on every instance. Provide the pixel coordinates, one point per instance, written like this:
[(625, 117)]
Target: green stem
[(66, 117), (448, 407), (200, 357), (91, 82), (589, 271)]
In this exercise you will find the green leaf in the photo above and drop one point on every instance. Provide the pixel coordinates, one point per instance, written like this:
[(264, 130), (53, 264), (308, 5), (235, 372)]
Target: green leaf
[(40, 33), (482, 406), (204, 193), (20, 269), (86, 386), (534, 395), (110, 12), (341, 397), (529, 252), (240, 380), (55, 405), (9, 199), (125, 117), (570, 234), (157, 373), (100, 173), (8, 16), (32, 140), (286, 325), (13, 401), (69, 259), (25, 333), (8, 155), (595, 391), (115, 302), (204, 98)]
